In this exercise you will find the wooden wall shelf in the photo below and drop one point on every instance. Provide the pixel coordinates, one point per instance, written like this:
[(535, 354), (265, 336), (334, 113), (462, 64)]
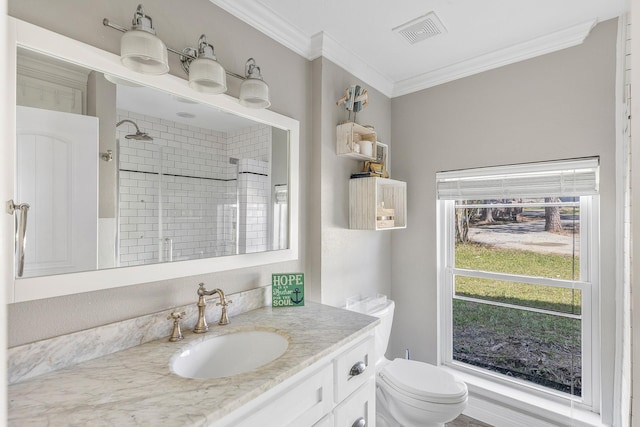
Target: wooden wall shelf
[(377, 204), (352, 140)]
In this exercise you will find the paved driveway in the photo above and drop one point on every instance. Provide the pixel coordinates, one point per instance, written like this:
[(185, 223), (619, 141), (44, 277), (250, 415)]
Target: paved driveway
[(529, 235)]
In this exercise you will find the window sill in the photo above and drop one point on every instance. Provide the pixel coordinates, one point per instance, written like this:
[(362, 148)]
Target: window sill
[(502, 405)]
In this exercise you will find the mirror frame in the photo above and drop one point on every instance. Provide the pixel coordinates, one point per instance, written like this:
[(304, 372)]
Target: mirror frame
[(29, 36)]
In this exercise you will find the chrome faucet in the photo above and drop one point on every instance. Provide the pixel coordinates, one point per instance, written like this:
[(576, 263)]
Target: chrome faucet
[(201, 325)]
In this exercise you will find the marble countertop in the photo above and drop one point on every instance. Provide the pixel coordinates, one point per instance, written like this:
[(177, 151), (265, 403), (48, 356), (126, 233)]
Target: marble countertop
[(136, 387)]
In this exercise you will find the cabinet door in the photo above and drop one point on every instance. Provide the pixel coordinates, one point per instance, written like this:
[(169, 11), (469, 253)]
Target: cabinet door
[(303, 404), (325, 422), (361, 405)]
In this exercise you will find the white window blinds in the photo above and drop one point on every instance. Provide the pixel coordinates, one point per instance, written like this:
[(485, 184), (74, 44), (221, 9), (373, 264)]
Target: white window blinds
[(564, 178)]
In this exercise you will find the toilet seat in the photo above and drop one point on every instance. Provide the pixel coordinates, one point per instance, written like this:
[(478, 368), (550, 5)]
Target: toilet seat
[(421, 382)]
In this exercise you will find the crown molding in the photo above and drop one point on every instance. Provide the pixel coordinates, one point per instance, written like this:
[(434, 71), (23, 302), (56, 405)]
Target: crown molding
[(69, 76), (562, 39), (266, 21), (328, 47), (322, 44)]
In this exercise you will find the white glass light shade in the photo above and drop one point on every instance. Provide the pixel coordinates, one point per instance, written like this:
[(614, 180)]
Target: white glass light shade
[(143, 52), (254, 93), (207, 75)]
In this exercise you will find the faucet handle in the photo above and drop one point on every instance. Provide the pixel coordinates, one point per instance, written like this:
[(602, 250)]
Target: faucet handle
[(224, 318), (176, 315), (224, 302), (176, 334)]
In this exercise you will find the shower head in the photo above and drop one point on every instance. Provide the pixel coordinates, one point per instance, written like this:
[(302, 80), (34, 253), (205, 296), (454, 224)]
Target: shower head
[(139, 136)]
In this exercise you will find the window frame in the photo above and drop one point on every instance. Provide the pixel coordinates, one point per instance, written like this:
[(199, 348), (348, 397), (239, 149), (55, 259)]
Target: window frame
[(589, 284)]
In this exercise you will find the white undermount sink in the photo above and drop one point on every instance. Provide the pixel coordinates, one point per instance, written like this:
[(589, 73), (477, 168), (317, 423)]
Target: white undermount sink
[(228, 355)]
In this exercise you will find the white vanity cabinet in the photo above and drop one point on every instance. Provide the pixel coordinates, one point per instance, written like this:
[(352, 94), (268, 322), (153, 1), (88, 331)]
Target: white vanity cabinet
[(325, 394)]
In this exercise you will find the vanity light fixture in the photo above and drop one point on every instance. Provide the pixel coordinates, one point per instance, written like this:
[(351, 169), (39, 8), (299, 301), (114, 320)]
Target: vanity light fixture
[(205, 73), (141, 52), (254, 92), (140, 49)]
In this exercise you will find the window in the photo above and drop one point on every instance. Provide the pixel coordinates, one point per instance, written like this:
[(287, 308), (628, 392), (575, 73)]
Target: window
[(519, 275)]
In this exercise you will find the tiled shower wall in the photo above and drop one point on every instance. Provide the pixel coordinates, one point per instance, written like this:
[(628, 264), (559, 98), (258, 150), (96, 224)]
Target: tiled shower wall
[(254, 200), (190, 210), (254, 186)]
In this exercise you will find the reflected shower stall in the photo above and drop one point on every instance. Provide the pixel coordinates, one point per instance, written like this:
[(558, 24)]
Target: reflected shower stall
[(188, 193)]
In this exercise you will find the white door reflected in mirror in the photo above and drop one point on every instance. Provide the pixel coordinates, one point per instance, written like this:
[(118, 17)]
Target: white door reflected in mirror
[(57, 176)]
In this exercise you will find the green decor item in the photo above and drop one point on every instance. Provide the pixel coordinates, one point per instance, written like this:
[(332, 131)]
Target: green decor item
[(287, 289)]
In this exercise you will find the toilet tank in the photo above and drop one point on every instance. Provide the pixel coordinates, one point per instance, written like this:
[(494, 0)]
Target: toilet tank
[(383, 330), (382, 308)]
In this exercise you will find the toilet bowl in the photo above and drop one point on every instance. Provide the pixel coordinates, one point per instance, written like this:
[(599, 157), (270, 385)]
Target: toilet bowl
[(410, 393), (419, 394)]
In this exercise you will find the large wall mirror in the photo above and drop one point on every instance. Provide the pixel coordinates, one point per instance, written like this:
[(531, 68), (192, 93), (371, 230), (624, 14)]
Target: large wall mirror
[(131, 178)]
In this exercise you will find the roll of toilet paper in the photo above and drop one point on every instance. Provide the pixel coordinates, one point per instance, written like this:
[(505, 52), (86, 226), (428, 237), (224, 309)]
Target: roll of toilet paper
[(366, 148)]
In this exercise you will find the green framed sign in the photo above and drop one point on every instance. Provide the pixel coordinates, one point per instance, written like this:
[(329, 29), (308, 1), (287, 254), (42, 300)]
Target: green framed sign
[(287, 289)]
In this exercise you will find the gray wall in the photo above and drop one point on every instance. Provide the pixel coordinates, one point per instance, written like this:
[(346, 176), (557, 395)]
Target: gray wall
[(352, 262), (101, 103), (179, 24), (557, 106)]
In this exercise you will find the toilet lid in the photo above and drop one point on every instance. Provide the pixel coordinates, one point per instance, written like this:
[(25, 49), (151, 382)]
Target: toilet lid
[(422, 381)]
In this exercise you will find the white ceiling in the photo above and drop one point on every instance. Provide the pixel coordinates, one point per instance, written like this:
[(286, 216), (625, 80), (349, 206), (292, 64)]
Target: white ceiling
[(156, 103), (481, 34)]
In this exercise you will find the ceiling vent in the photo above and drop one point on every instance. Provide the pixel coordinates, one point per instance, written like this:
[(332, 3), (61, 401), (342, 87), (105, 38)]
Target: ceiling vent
[(421, 28)]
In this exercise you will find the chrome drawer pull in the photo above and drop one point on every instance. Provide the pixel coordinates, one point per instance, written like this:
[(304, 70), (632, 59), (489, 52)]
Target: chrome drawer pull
[(360, 422), (357, 369)]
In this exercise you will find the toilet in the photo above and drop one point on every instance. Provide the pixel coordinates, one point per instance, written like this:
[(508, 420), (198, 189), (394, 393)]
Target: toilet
[(410, 393)]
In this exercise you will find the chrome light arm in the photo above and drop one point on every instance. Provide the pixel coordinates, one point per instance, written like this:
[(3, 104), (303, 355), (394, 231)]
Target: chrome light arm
[(21, 232), (186, 54)]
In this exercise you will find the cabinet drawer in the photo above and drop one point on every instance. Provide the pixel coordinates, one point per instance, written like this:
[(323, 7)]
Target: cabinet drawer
[(344, 379), (301, 405), (360, 405)]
